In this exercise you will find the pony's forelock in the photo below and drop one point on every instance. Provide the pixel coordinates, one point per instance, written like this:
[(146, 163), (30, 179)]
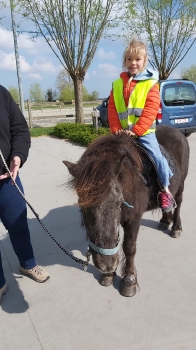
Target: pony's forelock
[(98, 164)]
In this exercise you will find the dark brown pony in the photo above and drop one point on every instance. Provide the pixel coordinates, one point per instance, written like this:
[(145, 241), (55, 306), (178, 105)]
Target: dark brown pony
[(109, 175)]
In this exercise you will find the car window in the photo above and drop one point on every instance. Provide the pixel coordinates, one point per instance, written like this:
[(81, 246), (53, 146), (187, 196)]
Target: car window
[(178, 95)]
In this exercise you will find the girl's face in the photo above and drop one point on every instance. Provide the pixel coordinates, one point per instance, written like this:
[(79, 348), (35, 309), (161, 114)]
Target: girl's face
[(135, 64)]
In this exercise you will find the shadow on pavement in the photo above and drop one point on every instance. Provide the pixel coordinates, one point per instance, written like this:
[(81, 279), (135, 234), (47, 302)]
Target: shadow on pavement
[(154, 224), (65, 225), (14, 302)]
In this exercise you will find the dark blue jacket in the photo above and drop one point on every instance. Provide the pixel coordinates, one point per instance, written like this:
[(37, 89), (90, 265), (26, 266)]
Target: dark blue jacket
[(14, 132)]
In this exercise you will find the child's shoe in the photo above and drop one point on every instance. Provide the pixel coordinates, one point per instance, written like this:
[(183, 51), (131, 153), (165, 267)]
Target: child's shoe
[(166, 201)]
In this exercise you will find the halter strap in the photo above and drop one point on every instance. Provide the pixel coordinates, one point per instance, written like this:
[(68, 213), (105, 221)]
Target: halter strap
[(104, 251)]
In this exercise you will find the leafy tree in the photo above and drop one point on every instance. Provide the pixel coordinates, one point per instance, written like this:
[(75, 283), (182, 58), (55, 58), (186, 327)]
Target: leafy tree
[(67, 94), (94, 96), (14, 93), (189, 73), (72, 29), (50, 95), (63, 80), (170, 27), (89, 97), (36, 93), (86, 94)]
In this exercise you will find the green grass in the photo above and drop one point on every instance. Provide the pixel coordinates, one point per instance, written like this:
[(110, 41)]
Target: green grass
[(35, 132)]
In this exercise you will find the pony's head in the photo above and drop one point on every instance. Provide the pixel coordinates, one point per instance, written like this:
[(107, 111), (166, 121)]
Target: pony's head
[(99, 180)]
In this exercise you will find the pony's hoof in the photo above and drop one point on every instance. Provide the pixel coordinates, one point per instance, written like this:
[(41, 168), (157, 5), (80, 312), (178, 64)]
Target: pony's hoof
[(175, 233), (106, 280), (163, 226), (128, 291)]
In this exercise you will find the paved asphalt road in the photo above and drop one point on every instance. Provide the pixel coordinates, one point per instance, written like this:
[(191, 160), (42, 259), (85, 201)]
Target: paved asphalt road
[(72, 310)]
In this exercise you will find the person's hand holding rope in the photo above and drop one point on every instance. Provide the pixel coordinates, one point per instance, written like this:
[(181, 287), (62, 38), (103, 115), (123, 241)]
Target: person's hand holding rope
[(14, 168)]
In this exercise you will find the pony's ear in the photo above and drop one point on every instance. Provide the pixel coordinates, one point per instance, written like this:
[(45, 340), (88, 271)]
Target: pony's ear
[(71, 167)]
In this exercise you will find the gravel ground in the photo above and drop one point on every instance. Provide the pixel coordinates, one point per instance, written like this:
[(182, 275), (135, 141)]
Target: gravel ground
[(51, 117)]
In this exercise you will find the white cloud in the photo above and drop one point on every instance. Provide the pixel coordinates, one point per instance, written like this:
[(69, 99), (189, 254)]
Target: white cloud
[(87, 75), (175, 75), (103, 55), (42, 65), (8, 62), (6, 39), (32, 48), (35, 76), (25, 66), (24, 43), (106, 70)]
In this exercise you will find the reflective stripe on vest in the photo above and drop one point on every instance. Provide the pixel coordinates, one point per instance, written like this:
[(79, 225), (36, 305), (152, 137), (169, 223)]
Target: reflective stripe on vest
[(129, 116)]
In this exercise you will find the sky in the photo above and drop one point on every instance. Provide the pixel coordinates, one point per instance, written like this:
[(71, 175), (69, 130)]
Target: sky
[(39, 64)]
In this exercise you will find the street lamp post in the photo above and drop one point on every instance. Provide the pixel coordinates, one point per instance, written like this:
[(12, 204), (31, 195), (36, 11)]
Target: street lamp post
[(17, 58)]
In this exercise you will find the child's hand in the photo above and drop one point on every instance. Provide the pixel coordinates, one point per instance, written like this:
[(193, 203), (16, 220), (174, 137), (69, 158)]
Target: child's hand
[(129, 132), (119, 132)]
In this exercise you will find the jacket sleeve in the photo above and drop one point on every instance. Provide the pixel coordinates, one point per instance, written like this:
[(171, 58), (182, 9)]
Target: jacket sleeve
[(114, 122), (149, 113), (19, 131)]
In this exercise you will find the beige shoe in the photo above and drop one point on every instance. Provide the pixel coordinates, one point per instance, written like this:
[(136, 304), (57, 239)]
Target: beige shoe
[(3, 290), (36, 273)]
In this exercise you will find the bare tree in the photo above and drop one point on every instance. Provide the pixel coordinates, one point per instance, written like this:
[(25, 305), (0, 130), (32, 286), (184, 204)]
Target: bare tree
[(72, 29), (170, 28)]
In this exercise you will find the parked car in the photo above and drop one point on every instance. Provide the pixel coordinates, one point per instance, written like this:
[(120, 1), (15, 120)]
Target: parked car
[(177, 107), (101, 112)]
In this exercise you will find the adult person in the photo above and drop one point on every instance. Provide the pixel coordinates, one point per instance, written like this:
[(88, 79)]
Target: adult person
[(14, 145), (132, 108)]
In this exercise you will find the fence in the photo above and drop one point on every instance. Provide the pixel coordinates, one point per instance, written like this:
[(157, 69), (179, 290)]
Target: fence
[(32, 106), (40, 106)]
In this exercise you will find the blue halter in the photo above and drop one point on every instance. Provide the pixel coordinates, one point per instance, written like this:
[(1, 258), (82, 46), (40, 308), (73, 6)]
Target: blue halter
[(104, 251)]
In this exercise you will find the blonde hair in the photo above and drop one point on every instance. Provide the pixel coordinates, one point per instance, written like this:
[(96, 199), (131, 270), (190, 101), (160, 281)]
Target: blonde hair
[(134, 48)]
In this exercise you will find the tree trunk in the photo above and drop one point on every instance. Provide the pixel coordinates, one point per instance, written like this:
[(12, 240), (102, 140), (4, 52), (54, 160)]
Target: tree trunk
[(78, 92), (163, 75)]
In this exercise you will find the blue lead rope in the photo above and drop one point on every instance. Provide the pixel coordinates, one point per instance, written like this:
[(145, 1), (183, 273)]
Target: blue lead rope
[(128, 205)]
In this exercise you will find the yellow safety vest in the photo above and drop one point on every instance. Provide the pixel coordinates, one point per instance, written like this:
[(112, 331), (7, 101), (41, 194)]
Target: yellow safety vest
[(129, 116)]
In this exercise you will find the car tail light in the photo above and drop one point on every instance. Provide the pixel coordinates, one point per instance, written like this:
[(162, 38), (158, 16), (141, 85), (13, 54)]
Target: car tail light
[(159, 114)]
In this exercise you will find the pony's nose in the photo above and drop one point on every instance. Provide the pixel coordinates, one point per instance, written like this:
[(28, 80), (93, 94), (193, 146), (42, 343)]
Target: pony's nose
[(106, 265)]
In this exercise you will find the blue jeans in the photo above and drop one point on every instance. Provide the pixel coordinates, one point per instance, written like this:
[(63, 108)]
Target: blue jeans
[(13, 214), (150, 142)]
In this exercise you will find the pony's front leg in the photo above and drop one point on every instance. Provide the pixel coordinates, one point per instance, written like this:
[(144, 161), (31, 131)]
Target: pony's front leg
[(129, 282)]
